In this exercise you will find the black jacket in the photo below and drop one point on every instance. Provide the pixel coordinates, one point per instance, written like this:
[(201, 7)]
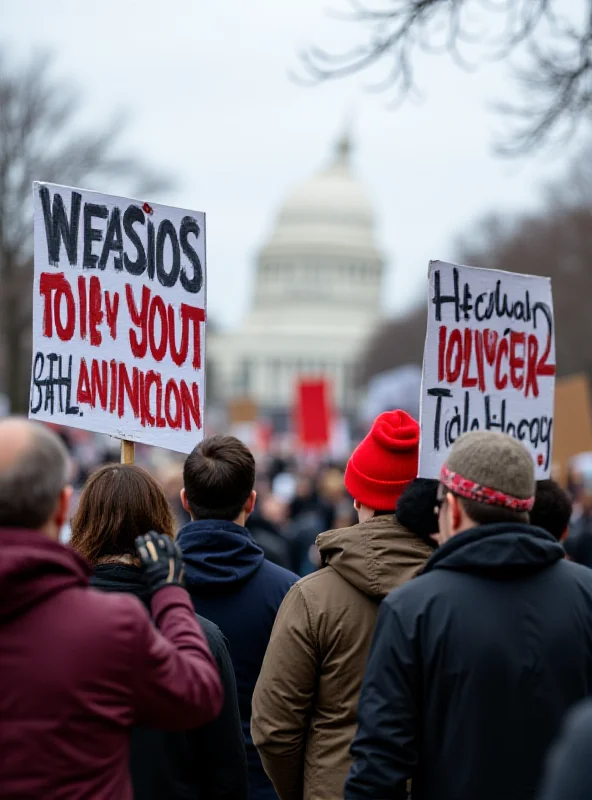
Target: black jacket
[(473, 666), (208, 763), (569, 771)]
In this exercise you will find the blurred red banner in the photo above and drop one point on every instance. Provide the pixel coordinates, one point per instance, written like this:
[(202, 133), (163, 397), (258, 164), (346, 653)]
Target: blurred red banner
[(313, 412)]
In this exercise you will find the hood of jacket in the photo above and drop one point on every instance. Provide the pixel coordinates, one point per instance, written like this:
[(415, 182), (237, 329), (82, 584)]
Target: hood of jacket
[(374, 556), (32, 568), (218, 555), (121, 578), (502, 550)]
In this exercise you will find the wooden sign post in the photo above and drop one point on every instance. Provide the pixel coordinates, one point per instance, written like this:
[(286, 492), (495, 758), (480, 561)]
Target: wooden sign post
[(127, 452)]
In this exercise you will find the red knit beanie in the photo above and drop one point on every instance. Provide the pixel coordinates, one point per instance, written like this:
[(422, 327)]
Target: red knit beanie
[(384, 462)]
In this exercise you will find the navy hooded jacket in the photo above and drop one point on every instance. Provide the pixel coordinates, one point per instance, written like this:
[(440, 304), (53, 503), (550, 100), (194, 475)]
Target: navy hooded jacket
[(233, 585), (473, 666)]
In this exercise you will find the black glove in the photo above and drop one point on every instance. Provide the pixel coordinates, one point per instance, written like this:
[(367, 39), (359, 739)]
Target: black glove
[(162, 562)]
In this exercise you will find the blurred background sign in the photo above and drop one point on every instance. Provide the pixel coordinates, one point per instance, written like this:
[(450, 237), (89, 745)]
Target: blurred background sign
[(242, 409), (313, 413), (573, 423)]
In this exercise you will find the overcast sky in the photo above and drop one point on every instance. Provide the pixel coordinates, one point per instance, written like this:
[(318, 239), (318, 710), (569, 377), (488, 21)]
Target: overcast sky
[(204, 85)]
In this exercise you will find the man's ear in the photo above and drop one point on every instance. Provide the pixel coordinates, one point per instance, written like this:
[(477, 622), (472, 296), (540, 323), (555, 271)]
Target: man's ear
[(456, 511), (184, 500), (62, 512), (357, 505), (250, 503)]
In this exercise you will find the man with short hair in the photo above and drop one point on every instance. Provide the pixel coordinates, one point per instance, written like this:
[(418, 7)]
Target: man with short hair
[(79, 668), (474, 663), (304, 708), (230, 581), (552, 509)]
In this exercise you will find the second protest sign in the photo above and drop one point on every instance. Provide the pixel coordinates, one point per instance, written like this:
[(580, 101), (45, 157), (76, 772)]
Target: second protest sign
[(489, 361), (118, 317)]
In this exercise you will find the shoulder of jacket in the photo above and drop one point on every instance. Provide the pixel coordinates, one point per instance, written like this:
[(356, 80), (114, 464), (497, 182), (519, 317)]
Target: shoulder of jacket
[(112, 616), (212, 632), (316, 588), (110, 600), (340, 531), (420, 591), (314, 580), (280, 574), (576, 574)]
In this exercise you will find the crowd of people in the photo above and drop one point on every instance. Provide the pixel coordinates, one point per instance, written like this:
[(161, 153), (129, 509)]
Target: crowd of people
[(230, 633)]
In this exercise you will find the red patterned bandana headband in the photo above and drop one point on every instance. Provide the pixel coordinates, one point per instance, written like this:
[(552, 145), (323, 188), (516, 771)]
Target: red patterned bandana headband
[(482, 494)]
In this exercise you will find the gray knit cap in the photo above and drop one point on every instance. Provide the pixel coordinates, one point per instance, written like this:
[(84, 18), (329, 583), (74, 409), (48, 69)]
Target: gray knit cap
[(495, 461)]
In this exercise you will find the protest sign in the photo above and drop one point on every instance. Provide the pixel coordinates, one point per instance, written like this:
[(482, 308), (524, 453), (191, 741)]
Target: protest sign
[(489, 361), (118, 317)]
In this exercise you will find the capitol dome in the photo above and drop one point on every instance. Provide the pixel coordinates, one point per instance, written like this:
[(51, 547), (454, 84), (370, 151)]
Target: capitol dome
[(330, 210), (316, 295)]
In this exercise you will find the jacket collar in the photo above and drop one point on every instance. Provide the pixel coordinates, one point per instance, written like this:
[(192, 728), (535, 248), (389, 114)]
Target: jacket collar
[(501, 549), (375, 556), (218, 554)]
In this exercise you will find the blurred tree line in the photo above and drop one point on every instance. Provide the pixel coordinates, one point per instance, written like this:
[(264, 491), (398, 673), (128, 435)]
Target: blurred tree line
[(555, 242), (42, 138)]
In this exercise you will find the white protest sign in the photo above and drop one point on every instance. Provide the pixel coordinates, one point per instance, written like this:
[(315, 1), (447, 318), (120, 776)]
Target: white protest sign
[(119, 315), (489, 362)]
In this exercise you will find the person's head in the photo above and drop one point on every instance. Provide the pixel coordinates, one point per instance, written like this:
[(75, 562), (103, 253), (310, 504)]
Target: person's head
[(119, 502), (487, 478), (34, 490), (415, 509), (218, 479), (383, 464), (552, 509)]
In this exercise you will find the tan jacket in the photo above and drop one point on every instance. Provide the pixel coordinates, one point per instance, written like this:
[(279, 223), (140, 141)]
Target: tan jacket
[(306, 698)]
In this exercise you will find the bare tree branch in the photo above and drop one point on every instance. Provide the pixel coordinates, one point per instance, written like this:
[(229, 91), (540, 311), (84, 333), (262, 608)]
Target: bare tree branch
[(556, 242), (557, 92), (41, 140), (555, 78)]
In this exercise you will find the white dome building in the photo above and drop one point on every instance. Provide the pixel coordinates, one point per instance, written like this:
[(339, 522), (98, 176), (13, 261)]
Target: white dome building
[(316, 299)]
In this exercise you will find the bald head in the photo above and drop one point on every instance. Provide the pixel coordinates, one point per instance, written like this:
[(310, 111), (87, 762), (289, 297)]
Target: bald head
[(16, 436), (33, 474)]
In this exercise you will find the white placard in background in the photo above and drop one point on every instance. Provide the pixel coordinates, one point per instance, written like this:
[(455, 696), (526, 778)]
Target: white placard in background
[(119, 309), (489, 361)]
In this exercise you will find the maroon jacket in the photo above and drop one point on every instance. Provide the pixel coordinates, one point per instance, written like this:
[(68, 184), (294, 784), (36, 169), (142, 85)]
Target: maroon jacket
[(79, 667)]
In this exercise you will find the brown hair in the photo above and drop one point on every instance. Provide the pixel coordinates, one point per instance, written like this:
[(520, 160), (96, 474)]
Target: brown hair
[(118, 503), (483, 514), (218, 476)]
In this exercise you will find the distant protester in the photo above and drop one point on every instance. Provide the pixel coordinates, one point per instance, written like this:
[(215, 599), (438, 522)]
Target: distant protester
[(118, 503), (78, 668), (578, 546), (569, 767), (552, 509), (578, 542), (476, 661), (305, 702), (228, 577)]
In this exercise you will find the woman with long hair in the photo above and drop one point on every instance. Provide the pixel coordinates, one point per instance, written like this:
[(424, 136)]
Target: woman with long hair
[(120, 502)]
